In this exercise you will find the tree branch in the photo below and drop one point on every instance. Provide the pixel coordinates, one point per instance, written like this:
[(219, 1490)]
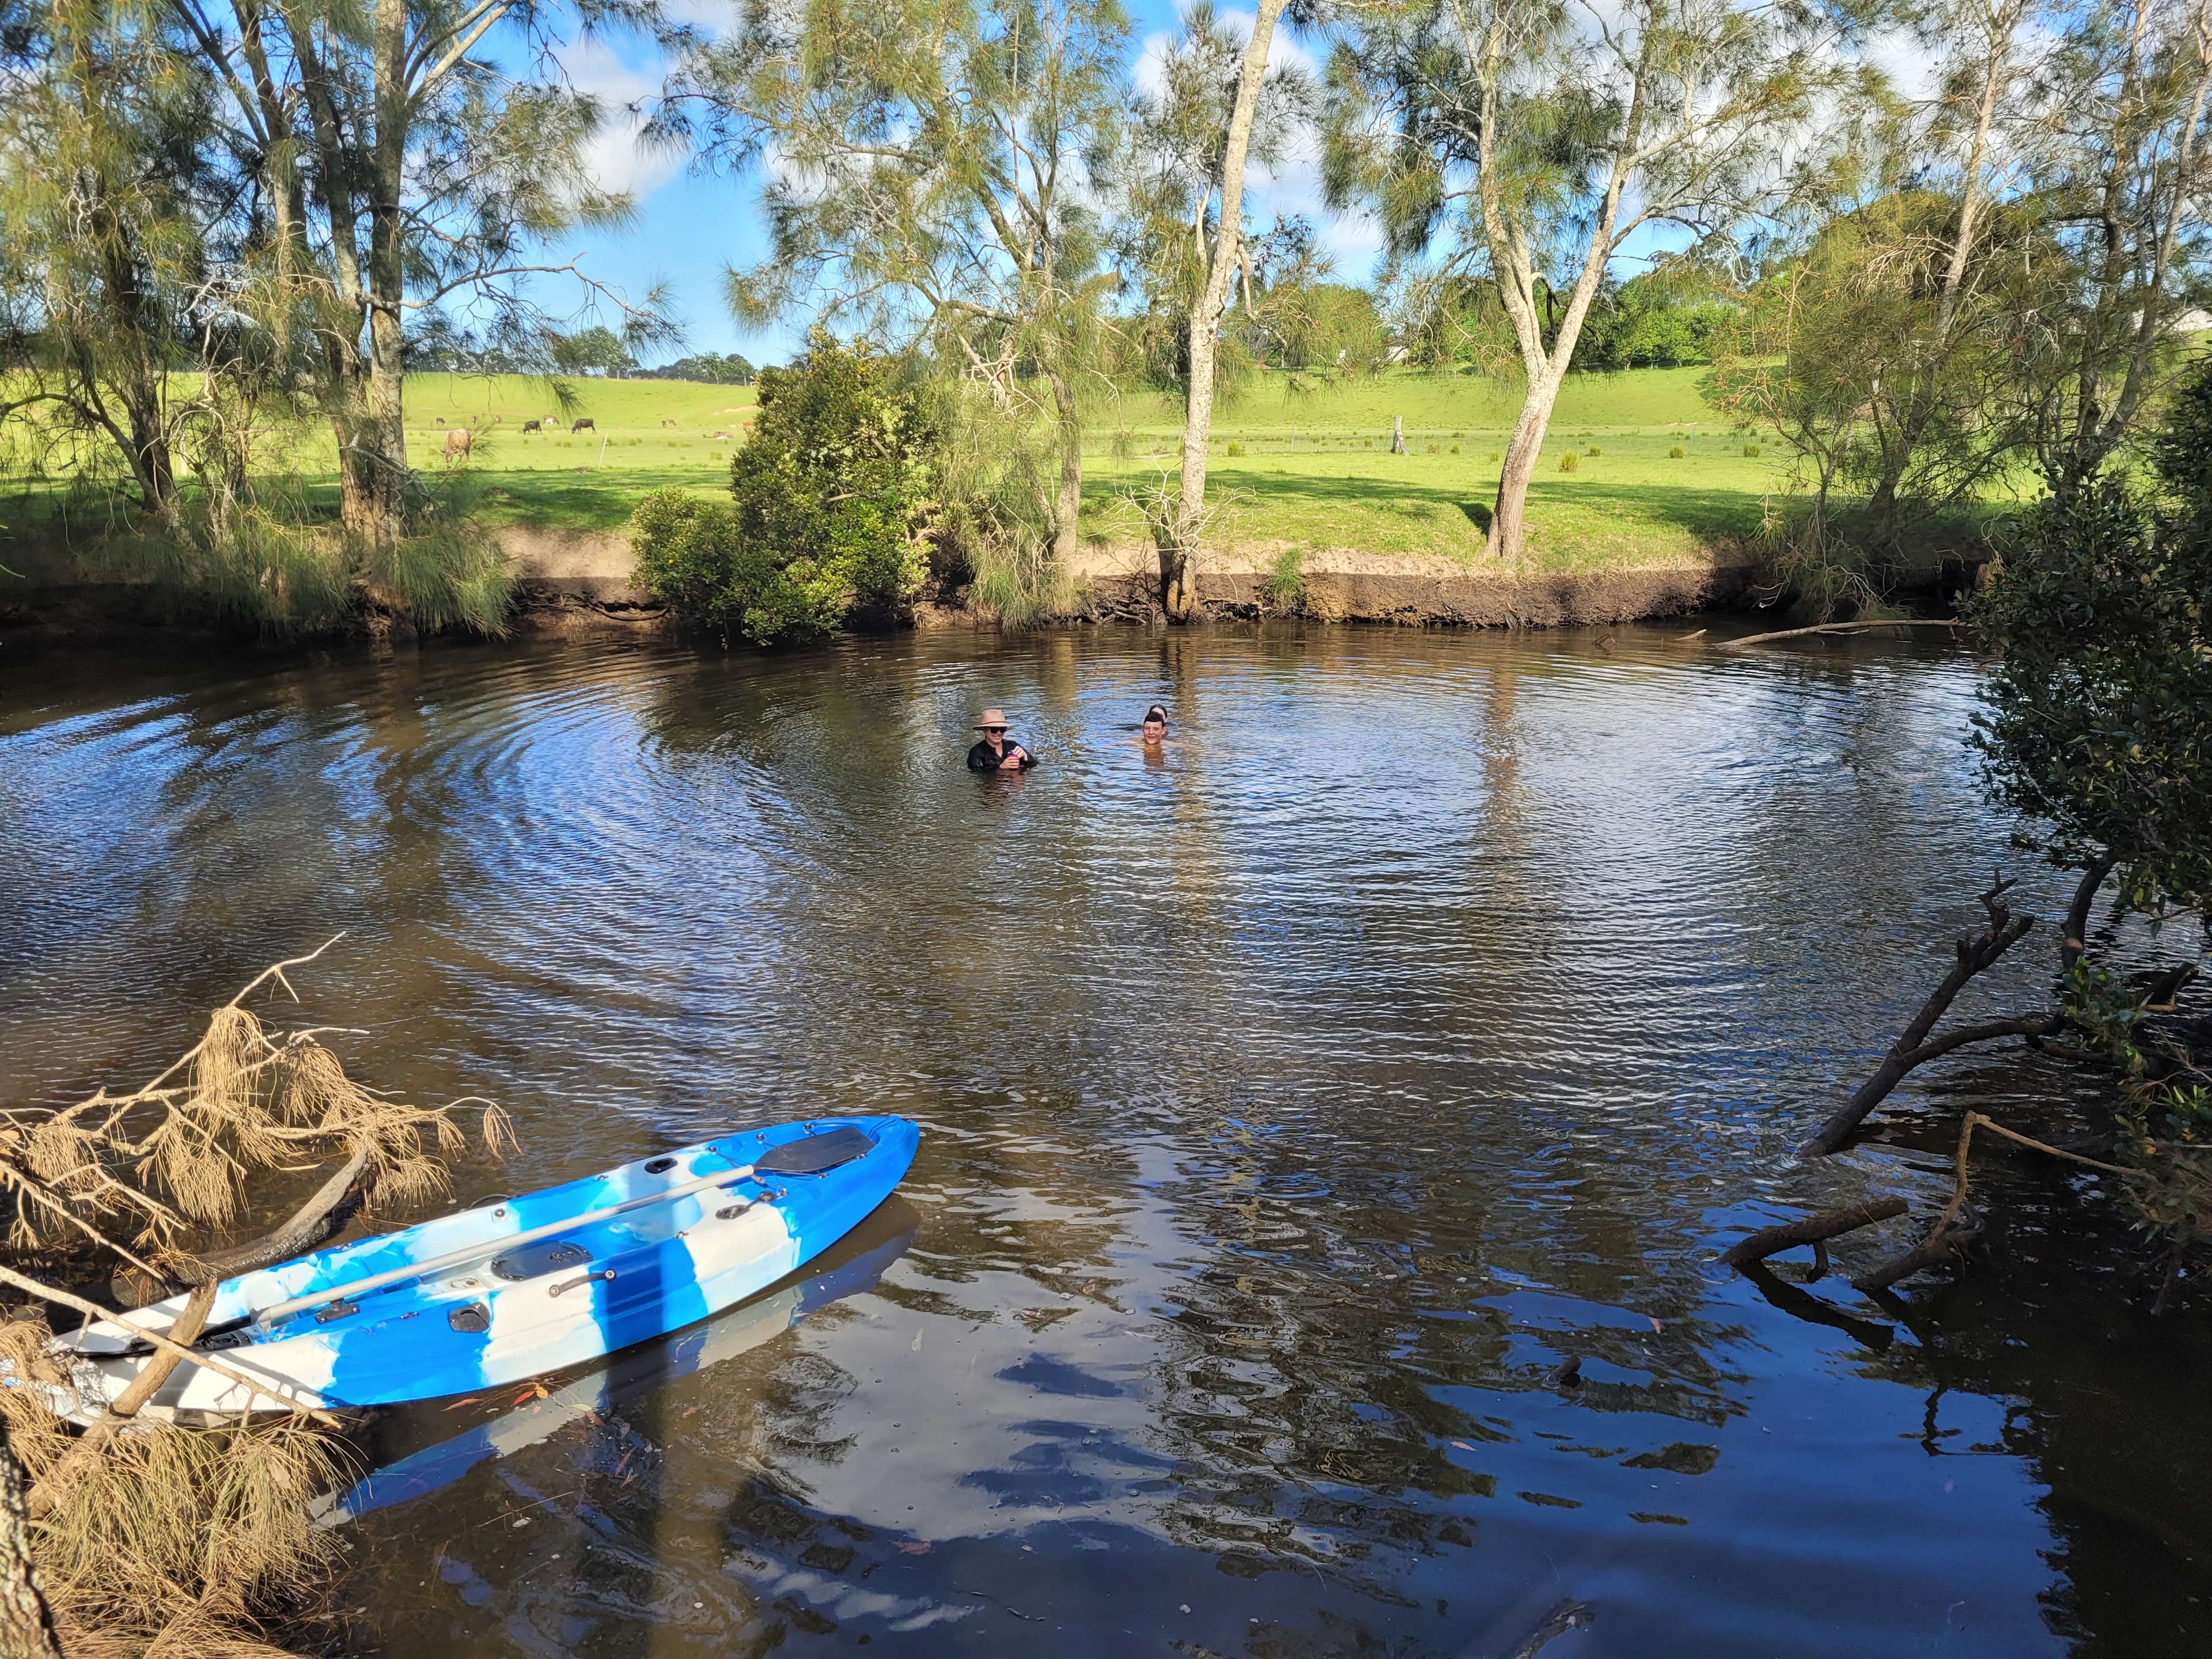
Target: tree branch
[(1809, 1230)]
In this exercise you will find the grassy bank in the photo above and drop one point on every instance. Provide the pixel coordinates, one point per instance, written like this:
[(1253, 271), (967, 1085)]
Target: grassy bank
[(1294, 465)]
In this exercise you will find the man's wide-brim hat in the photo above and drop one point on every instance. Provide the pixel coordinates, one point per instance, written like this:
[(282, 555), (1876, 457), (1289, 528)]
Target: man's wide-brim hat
[(991, 717)]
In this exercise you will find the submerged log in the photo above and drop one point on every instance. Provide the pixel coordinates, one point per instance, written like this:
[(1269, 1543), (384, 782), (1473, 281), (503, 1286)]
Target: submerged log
[(1810, 1230)]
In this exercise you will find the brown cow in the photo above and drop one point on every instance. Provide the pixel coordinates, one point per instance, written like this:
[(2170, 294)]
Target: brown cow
[(458, 440), (668, 423)]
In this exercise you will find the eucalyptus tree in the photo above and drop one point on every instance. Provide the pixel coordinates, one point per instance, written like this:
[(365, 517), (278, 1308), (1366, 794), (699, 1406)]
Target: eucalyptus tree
[(1526, 142), (932, 177), (397, 155), (1218, 110)]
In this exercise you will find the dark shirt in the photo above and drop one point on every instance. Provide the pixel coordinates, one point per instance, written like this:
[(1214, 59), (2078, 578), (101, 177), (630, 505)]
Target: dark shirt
[(984, 758)]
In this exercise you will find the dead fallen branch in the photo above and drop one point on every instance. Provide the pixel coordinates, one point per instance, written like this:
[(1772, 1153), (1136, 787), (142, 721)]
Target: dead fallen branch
[(1840, 627), (1810, 1230), (1959, 1226), (208, 1362), (1974, 953)]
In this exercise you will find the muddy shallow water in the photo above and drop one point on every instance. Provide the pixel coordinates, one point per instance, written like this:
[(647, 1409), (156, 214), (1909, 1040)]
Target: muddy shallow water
[(1292, 1105)]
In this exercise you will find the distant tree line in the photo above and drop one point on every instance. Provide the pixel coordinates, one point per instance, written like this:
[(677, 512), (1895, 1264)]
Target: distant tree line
[(707, 367)]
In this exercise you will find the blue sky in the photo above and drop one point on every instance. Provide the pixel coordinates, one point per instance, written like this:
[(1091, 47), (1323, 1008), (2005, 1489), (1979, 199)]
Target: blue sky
[(690, 225)]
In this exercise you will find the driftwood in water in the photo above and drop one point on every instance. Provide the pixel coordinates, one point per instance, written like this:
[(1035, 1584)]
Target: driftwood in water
[(1810, 1230), (1975, 953), (1839, 628), (333, 1204), (1959, 1226)]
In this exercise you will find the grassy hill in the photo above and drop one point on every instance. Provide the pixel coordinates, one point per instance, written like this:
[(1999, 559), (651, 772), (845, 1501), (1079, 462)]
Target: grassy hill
[(1294, 464)]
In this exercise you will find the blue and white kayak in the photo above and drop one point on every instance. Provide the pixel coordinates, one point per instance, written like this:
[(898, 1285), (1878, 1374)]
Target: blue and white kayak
[(848, 1268), (506, 1291)]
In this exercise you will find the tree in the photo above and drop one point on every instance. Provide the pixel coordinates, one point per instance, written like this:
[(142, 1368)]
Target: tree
[(830, 500), (1525, 142), (1883, 361), (109, 216), (393, 164), (1198, 137), (2119, 166), (595, 349), (2096, 728), (933, 163)]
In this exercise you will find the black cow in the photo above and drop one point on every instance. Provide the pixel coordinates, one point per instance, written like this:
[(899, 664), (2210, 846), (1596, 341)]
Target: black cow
[(533, 426), (584, 425)]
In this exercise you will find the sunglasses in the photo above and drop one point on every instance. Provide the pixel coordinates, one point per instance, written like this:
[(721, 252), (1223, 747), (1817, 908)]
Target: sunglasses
[(994, 728)]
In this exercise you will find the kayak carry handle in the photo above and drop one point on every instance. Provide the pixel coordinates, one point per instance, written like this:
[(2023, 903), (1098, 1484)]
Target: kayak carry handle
[(277, 1311)]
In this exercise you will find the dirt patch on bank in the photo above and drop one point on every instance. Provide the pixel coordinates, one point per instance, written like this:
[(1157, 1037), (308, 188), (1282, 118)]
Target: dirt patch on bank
[(581, 584), (569, 580)]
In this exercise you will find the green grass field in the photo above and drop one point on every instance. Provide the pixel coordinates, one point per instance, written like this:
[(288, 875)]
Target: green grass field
[(1291, 468)]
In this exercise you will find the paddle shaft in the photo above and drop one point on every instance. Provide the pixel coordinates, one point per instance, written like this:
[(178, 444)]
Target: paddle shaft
[(477, 1252)]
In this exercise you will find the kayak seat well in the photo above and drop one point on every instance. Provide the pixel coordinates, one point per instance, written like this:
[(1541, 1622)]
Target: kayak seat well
[(535, 1260), (815, 1154)]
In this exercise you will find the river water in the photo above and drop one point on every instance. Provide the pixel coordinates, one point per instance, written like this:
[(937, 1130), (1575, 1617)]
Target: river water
[(1292, 1106)]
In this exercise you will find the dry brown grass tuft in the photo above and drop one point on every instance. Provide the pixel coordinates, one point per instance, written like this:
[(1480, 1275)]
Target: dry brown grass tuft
[(178, 1543)]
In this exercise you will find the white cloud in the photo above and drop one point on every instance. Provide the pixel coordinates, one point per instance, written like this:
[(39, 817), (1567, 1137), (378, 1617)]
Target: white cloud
[(613, 159)]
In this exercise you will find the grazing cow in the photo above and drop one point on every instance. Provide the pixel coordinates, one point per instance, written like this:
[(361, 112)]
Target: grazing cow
[(442, 420), (721, 437), (458, 440), (668, 423), (584, 425), (533, 426)]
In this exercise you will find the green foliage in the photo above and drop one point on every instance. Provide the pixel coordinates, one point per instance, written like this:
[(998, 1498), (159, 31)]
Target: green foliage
[(829, 503), (596, 350), (1235, 451), (1675, 452), (706, 368), (1570, 462), (1751, 451), (1593, 450), (2097, 724)]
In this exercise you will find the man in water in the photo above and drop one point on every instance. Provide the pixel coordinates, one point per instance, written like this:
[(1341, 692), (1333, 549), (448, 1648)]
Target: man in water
[(996, 751), (1155, 728)]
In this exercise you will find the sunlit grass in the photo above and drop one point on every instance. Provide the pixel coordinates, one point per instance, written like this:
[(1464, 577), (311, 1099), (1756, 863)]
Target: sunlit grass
[(1314, 469)]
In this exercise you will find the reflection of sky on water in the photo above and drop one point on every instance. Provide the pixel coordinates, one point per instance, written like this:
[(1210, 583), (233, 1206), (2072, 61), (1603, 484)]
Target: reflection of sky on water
[(1292, 1106)]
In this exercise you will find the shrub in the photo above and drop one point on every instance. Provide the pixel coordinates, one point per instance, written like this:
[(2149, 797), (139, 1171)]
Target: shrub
[(1570, 462), (1235, 450), (1594, 450), (828, 504), (1675, 452), (1455, 449), (1751, 451)]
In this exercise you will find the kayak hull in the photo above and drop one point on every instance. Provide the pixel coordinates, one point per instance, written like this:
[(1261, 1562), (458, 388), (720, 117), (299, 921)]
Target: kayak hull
[(499, 1318)]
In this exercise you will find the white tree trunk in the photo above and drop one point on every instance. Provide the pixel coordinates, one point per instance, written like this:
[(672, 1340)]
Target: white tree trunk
[(1175, 589)]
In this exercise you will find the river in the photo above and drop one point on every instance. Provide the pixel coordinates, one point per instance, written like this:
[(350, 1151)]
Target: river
[(1292, 1105)]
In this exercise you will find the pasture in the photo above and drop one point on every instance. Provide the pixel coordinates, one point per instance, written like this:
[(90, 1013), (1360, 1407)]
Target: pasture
[(1298, 463)]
